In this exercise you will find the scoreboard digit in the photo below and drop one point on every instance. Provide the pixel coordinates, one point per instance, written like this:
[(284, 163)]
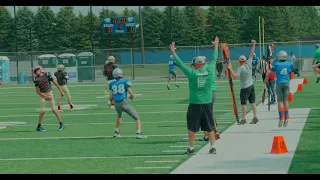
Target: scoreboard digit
[(120, 25)]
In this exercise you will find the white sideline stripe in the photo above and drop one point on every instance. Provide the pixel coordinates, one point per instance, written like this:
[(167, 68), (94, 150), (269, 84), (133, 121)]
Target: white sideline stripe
[(183, 142), (88, 114), (79, 158), (87, 137), (162, 161), (76, 102), (97, 106), (182, 146), (168, 151), (103, 84), (164, 167), (76, 124)]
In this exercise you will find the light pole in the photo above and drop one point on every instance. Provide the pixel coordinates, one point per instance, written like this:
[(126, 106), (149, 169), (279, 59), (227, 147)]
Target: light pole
[(141, 36)]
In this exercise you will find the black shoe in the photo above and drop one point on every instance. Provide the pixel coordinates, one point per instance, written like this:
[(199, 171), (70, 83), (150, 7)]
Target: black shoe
[(318, 79), (204, 139), (191, 152), (168, 87), (177, 85), (254, 121), (243, 121), (213, 151)]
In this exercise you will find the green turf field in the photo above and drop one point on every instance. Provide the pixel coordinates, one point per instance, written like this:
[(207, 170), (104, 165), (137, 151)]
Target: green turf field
[(87, 145), (307, 155)]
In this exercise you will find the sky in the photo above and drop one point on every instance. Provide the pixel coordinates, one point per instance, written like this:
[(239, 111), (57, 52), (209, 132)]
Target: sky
[(95, 9)]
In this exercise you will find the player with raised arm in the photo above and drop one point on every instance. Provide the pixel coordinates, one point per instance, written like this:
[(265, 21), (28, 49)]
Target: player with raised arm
[(42, 82), (118, 93), (109, 66), (282, 69), (172, 72), (62, 80), (200, 109), (315, 62), (247, 92)]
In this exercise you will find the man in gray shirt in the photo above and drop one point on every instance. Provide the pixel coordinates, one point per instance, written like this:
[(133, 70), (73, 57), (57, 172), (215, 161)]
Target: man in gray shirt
[(247, 88)]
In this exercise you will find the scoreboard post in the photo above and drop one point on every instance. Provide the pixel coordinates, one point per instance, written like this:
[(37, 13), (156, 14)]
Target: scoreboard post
[(121, 25)]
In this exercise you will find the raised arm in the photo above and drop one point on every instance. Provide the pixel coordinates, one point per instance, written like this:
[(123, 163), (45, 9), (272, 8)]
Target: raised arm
[(185, 69), (253, 47), (212, 63)]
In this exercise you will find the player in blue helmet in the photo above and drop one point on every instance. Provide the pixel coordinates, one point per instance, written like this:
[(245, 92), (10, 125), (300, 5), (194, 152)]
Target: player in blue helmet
[(118, 93), (172, 72), (282, 69), (255, 61)]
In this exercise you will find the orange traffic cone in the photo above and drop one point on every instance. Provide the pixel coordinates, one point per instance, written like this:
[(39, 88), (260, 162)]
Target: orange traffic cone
[(299, 89), (305, 81), (278, 145), (290, 98), (292, 75)]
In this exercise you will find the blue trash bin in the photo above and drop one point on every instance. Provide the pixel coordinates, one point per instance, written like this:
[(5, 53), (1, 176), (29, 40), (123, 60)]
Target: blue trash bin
[(22, 78)]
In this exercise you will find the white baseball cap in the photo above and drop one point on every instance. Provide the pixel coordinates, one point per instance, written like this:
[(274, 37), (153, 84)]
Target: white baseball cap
[(242, 58), (200, 60)]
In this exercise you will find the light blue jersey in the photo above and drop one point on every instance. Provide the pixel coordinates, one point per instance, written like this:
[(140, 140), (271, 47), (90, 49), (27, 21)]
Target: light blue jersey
[(119, 89), (283, 71), (172, 65), (255, 60)]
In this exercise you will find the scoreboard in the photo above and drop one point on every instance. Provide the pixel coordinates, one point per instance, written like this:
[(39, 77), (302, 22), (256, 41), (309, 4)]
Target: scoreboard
[(119, 25)]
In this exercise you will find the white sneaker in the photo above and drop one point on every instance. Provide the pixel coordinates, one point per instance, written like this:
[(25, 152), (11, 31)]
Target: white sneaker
[(116, 134), (140, 136), (106, 92), (285, 124), (280, 123)]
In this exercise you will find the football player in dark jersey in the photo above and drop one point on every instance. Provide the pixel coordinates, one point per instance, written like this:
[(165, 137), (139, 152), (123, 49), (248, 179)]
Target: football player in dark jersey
[(42, 82), (109, 66), (62, 80)]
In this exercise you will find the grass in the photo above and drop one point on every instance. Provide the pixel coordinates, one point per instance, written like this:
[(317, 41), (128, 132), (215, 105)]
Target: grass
[(86, 145), (307, 155), (153, 70)]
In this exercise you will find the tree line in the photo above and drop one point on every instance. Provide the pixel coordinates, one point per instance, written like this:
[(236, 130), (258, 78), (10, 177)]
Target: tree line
[(191, 25)]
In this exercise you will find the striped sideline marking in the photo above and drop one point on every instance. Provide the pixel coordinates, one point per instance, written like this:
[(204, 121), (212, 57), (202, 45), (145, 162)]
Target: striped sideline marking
[(90, 106), (87, 137), (79, 158), (88, 114), (75, 102), (182, 146), (102, 84), (169, 151), (164, 167), (162, 161), (99, 123)]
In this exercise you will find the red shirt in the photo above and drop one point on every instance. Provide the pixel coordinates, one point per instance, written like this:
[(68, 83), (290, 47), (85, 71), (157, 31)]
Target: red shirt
[(269, 67)]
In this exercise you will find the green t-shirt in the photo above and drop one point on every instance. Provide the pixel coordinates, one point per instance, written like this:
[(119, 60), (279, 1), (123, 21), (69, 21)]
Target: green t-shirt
[(200, 80), (213, 87), (317, 55)]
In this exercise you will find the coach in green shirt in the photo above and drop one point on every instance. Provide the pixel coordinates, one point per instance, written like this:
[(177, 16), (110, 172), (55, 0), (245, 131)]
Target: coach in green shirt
[(200, 110), (316, 60)]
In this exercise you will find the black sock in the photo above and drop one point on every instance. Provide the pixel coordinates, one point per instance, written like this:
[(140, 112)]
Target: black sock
[(61, 124), (39, 125)]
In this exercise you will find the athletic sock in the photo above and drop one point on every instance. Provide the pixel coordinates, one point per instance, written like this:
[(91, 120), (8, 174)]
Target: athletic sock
[(280, 115), (60, 123), (39, 125), (116, 129), (286, 114), (191, 148), (211, 146), (138, 131)]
